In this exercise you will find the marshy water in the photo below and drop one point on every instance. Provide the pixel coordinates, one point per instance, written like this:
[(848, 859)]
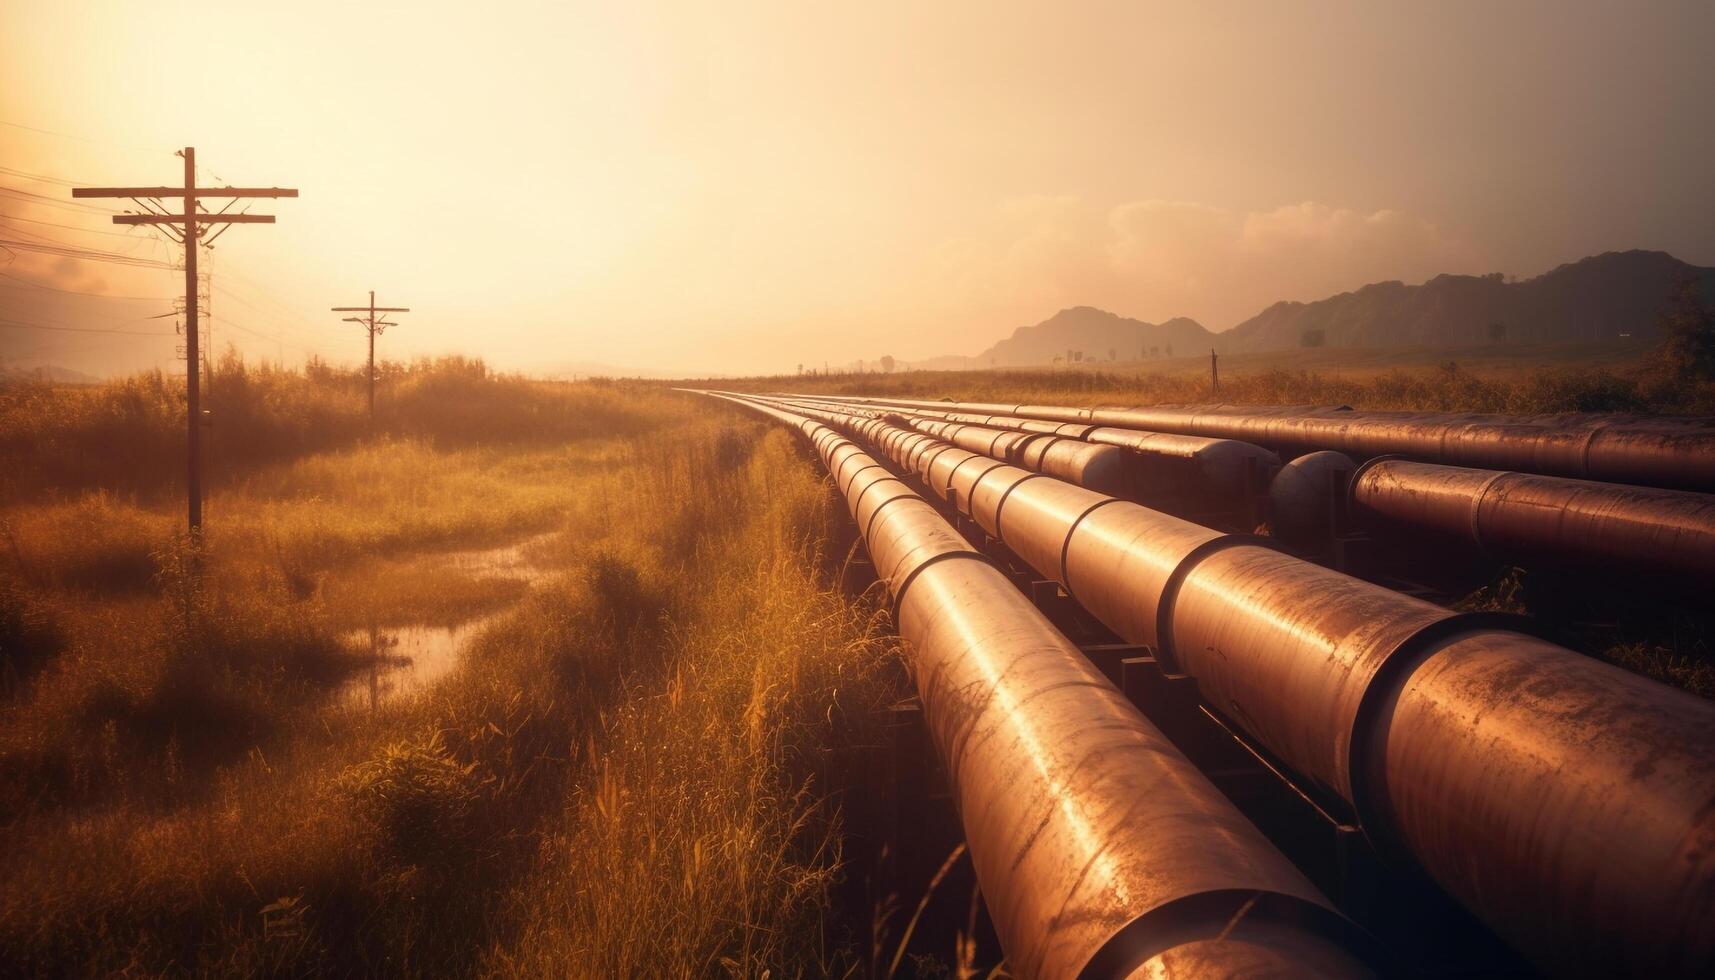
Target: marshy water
[(409, 659)]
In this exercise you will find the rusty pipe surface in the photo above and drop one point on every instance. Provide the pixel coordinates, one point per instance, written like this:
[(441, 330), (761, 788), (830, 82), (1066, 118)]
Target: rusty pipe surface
[(1567, 802), (1523, 518), (1100, 849), (1666, 452)]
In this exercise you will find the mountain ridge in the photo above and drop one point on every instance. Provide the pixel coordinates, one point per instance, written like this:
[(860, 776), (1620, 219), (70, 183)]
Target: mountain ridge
[(1598, 297), (1093, 334)]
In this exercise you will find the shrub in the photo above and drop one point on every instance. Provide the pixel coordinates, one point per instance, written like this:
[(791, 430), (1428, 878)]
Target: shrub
[(420, 800)]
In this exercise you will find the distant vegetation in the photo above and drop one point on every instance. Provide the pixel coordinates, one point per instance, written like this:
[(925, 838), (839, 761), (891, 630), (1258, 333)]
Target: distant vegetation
[(1651, 387), (128, 435)]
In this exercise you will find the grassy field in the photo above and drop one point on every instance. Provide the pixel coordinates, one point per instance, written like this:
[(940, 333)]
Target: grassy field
[(629, 765), (622, 774)]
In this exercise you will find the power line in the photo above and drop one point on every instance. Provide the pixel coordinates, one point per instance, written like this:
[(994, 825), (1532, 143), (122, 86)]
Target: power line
[(86, 231), (27, 284), (94, 255), (263, 291), (53, 202), (222, 288), (44, 178), (85, 139), (122, 317), (21, 325), (43, 351), (48, 239), (287, 322), (306, 348)]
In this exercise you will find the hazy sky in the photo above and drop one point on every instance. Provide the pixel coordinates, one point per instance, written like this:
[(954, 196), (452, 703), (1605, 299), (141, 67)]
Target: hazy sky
[(750, 185)]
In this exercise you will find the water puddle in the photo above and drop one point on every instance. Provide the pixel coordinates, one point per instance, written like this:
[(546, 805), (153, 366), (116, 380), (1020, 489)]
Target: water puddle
[(511, 561), (407, 660)]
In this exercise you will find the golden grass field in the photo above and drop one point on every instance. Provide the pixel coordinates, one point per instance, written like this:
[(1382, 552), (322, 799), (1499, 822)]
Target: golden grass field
[(630, 769), (619, 777)]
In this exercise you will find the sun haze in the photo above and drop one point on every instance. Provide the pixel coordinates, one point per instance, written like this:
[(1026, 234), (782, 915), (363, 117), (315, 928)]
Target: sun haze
[(749, 186)]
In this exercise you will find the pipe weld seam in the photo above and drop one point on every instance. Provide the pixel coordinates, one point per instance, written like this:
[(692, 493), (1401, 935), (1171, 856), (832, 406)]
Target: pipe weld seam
[(870, 524), (1066, 545), (854, 473), (1164, 652), (1477, 507), (1007, 493), (1369, 804), (911, 576)]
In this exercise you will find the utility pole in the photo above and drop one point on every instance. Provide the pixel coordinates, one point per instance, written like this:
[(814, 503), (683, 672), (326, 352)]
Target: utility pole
[(374, 326), (188, 227), (1214, 372)]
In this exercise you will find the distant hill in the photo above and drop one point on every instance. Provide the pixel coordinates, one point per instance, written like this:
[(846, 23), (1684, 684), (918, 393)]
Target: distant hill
[(1095, 333), (1598, 298)]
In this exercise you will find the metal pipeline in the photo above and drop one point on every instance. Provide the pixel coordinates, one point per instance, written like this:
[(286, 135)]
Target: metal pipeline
[(1665, 452), (1640, 533), (1104, 469), (1227, 472), (1100, 849), (1568, 803)]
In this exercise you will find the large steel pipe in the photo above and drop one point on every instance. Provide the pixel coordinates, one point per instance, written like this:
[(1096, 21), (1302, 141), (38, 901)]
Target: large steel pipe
[(1636, 533), (1100, 849), (1569, 803), (1665, 452)]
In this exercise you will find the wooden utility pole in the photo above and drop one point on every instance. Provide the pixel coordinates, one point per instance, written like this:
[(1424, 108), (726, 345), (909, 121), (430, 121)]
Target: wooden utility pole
[(188, 228), (1214, 371), (374, 326)]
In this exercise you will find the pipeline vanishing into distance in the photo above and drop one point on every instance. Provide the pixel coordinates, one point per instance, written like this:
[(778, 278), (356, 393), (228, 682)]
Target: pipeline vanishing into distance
[(1215, 481), (1678, 452), (1662, 539), (1224, 470), (1101, 851), (1568, 803)]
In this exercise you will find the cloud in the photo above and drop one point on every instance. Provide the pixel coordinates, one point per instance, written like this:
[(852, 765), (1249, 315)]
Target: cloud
[(1161, 258)]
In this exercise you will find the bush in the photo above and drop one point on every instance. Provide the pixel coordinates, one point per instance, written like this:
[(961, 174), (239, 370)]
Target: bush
[(419, 799)]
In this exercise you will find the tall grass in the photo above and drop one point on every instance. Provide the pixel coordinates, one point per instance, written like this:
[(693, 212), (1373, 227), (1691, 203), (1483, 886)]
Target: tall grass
[(700, 840), (183, 794)]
